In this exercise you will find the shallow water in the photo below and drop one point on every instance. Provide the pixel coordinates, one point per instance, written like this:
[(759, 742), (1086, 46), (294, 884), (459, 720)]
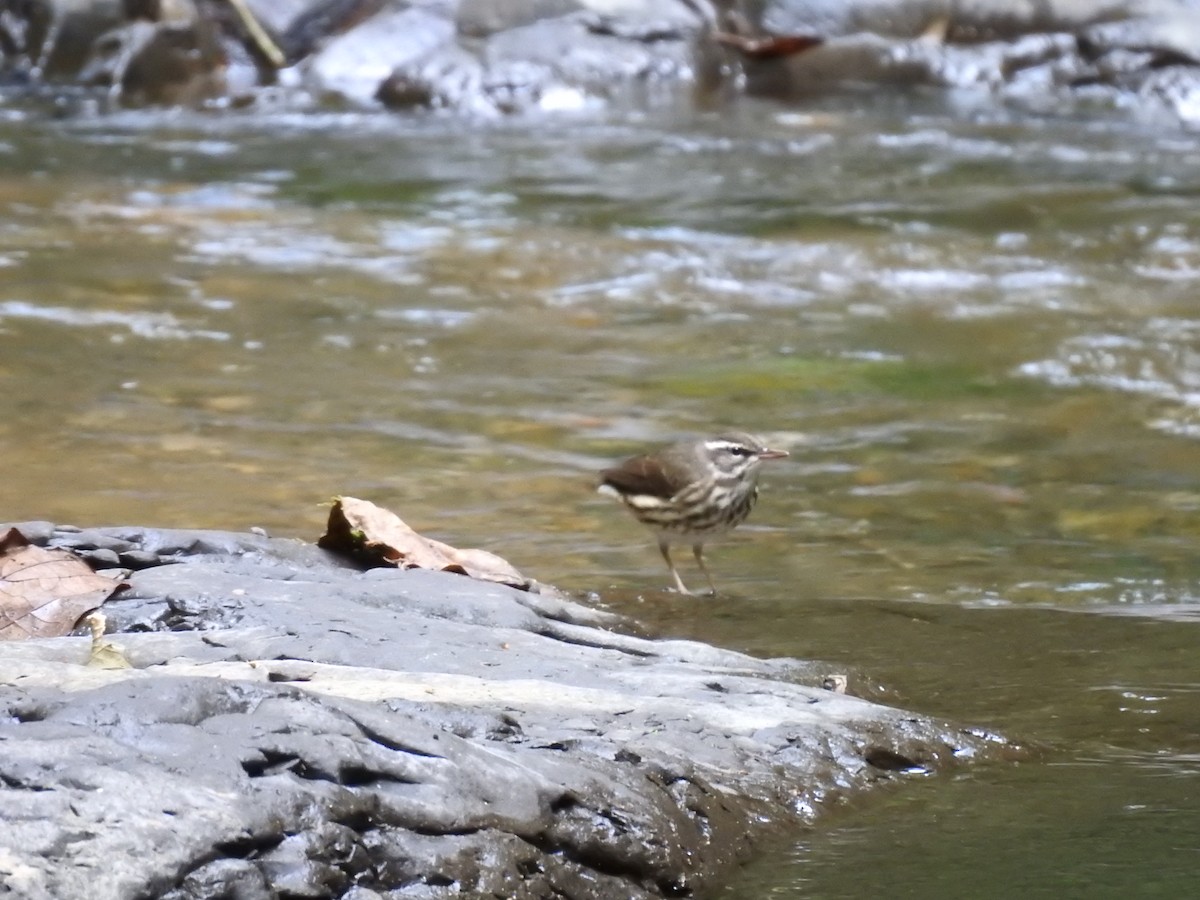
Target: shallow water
[(975, 329)]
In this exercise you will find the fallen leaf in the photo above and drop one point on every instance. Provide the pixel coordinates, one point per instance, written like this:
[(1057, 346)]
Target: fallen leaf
[(770, 46), (43, 592), (368, 532)]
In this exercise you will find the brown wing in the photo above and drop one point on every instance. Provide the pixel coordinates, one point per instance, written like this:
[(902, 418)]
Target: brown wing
[(642, 475)]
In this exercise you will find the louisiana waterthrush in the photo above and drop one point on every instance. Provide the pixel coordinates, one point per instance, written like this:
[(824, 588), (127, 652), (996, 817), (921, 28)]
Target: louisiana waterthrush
[(691, 491)]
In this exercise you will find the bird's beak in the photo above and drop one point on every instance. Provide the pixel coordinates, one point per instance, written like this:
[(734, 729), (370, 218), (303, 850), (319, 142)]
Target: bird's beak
[(772, 454)]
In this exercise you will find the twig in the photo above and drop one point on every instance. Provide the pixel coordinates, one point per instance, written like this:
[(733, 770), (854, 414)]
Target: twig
[(266, 45)]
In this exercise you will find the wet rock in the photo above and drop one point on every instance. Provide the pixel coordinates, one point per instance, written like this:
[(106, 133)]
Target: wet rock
[(481, 18), (355, 63), (491, 57), (164, 62), (452, 78), (284, 17), (965, 20), (553, 63), (591, 52), (1166, 38), (294, 726), (1013, 50), (54, 38), (1004, 19), (831, 18), (447, 78), (869, 58), (1176, 87)]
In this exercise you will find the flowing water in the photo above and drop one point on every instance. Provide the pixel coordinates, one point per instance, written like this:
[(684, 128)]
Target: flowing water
[(976, 330)]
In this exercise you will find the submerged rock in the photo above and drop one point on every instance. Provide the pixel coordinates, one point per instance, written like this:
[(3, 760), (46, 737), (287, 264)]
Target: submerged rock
[(292, 725)]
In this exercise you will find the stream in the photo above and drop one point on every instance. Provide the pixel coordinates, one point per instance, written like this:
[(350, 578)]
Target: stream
[(975, 329)]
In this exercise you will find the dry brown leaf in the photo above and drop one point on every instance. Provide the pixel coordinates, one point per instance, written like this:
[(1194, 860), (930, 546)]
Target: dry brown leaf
[(361, 529), (769, 46), (44, 592)]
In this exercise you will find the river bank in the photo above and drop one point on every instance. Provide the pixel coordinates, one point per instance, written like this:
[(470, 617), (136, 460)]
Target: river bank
[(289, 722), (487, 58)]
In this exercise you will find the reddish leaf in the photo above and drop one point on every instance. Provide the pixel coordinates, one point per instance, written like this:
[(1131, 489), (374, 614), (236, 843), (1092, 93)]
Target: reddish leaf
[(43, 592), (360, 528), (770, 46)]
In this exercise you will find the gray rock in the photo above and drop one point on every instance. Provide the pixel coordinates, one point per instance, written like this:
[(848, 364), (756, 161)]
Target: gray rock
[(492, 57), (447, 77), (592, 53), (551, 63), (355, 63), (279, 16), (36, 532), (294, 726), (481, 18), (967, 19), (1163, 37), (1047, 54), (831, 18), (58, 35)]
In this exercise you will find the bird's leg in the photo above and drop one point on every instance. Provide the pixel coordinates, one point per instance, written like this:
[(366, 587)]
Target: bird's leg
[(698, 552), (665, 549)]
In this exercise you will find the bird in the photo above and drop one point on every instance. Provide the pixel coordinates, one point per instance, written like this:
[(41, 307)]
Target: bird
[(691, 491)]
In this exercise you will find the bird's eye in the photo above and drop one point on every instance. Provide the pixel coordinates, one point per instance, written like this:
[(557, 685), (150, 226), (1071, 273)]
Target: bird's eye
[(741, 451)]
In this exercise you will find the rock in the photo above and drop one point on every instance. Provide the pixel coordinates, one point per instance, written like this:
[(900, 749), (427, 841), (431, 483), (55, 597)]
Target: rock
[(139, 559), (280, 16), (833, 18), (37, 532), (294, 726), (172, 61), (967, 20), (567, 62), (496, 57), (102, 558), (595, 53), (445, 78), (58, 35), (481, 18), (1166, 38), (1175, 87), (1045, 54), (356, 63)]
